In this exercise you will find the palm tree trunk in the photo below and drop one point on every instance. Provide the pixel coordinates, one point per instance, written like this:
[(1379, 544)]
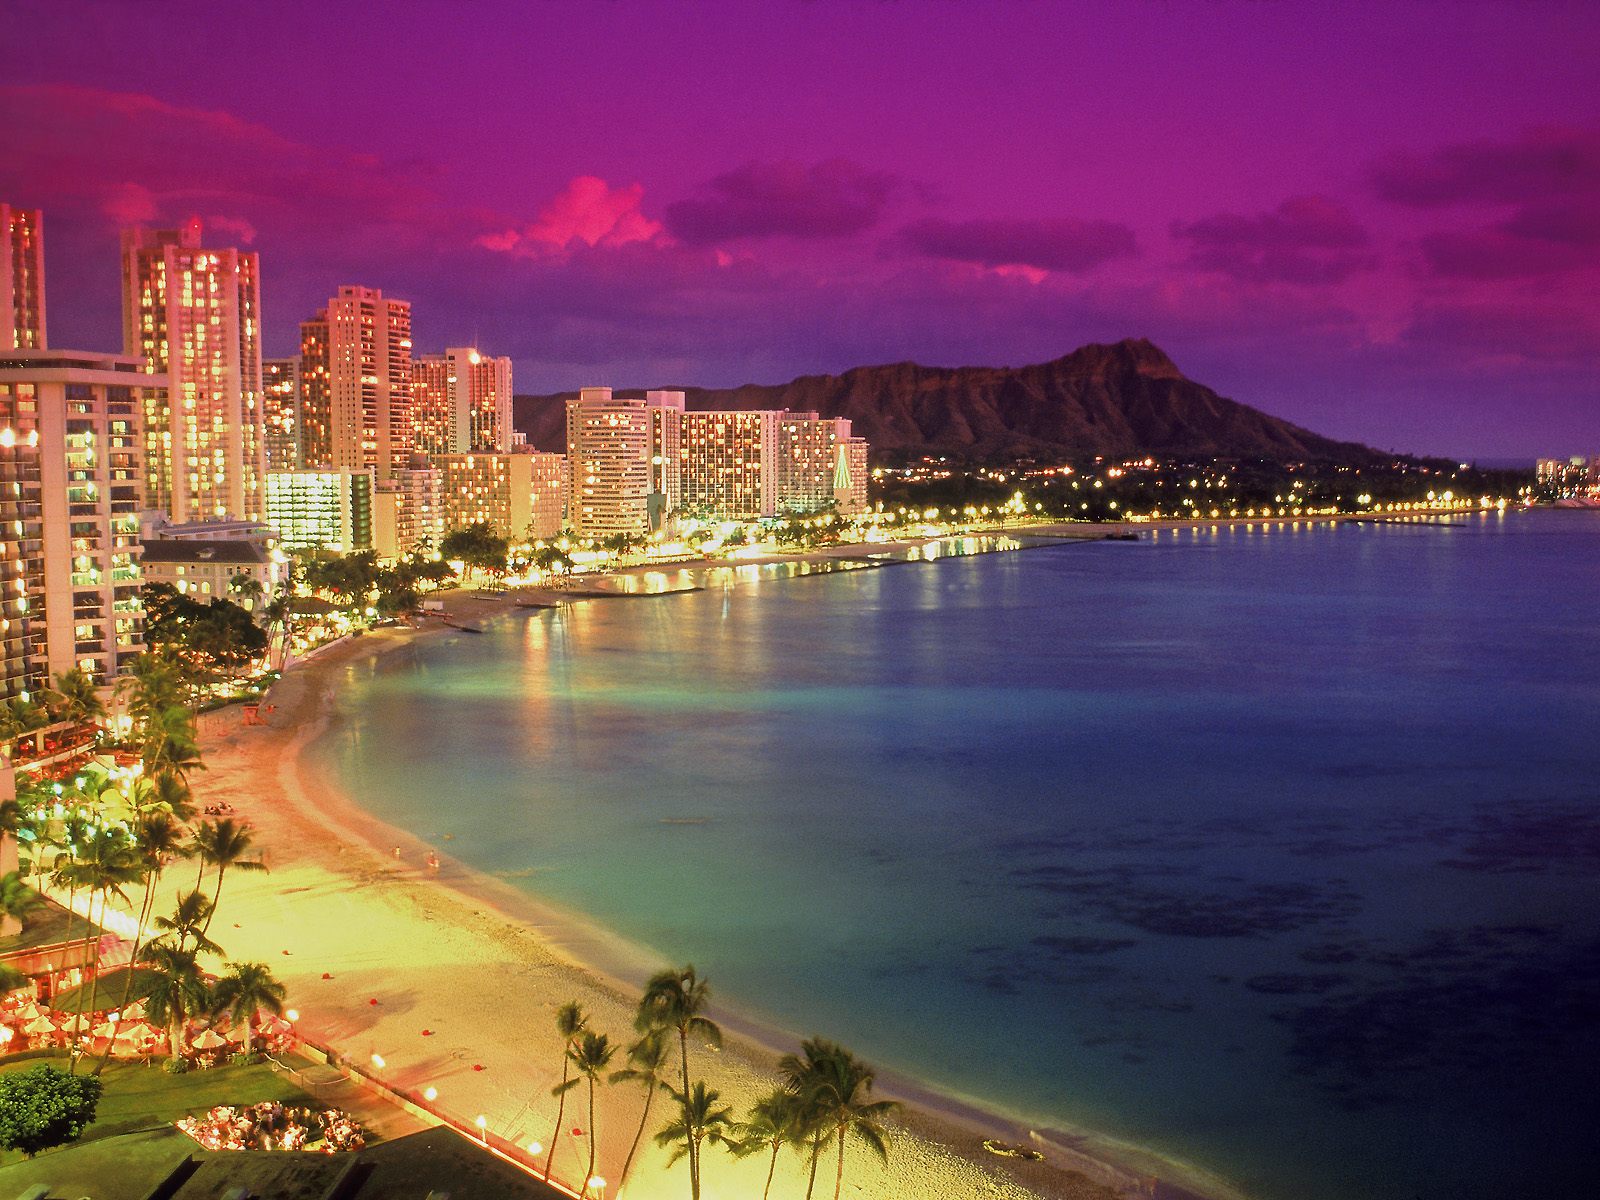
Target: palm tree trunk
[(694, 1149), (249, 1032), (561, 1108), (94, 974), (838, 1178), (644, 1118), (589, 1171), (776, 1146), (216, 898), (175, 1032), (816, 1153)]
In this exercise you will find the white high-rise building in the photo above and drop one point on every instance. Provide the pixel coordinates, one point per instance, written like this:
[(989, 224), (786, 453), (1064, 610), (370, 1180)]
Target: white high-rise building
[(194, 315), (608, 464), (71, 461)]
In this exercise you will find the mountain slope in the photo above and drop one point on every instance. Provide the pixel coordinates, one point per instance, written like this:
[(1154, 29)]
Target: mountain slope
[(1115, 400)]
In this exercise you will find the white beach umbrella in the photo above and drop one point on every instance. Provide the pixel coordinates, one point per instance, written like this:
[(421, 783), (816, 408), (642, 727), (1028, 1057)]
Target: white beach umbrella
[(135, 1011), (275, 1027), (105, 1030), (40, 1024), (77, 1023), (134, 1032), (209, 1039)]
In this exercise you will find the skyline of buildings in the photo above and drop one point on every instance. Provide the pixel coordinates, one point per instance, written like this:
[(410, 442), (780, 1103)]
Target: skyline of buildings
[(189, 435)]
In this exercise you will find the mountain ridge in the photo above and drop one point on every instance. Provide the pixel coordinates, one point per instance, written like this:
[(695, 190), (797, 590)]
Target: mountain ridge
[(1119, 400)]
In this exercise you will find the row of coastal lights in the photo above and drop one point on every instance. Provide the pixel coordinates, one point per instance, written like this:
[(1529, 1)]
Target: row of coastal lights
[(431, 1094)]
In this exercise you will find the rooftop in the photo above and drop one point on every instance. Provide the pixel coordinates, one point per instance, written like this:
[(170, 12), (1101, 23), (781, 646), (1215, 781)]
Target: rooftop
[(230, 550)]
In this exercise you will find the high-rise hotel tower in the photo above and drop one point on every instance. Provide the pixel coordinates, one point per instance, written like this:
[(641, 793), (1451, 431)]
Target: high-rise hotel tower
[(193, 314), (355, 384), (21, 279), (608, 464), (461, 402)]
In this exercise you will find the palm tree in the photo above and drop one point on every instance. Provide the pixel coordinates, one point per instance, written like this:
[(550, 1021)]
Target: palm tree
[(570, 1022), (675, 999), (158, 838), (168, 742), (248, 988), (699, 1120), (189, 920), (776, 1120), (590, 1055), (63, 869), (223, 844), (107, 863), (648, 1057), (18, 901), (837, 1089), (176, 990), (72, 696)]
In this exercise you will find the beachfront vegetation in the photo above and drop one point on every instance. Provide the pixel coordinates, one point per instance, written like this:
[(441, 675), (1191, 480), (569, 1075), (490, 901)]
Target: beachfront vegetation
[(245, 991), (834, 1093), (479, 548), (824, 1105), (777, 1120), (648, 1061), (44, 1107), (700, 1119), (571, 1022), (676, 1000), (590, 1056), (219, 639)]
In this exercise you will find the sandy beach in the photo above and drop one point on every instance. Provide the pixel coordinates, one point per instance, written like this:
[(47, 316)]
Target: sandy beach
[(452, 978)]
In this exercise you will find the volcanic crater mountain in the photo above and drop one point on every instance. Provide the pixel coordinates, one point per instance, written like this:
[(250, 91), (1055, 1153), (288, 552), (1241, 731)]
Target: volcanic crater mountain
[(1120, 400)]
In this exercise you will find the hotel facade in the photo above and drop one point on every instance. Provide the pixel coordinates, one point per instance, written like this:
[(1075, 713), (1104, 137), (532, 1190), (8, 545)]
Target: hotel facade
[(193, 315), (71, 465), (326, 510), (280, 400), (522, 496)]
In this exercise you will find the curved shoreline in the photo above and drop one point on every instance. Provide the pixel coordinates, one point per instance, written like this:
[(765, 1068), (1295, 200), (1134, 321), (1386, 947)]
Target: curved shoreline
[(514, 933)]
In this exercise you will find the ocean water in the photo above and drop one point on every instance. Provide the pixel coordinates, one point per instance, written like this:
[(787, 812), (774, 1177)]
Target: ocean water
[(1276, 850)]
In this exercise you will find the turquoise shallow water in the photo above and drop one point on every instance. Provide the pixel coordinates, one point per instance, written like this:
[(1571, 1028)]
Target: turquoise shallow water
[(1275, 850)]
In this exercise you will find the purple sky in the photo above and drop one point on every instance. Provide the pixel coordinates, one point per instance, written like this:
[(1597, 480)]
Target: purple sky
[(1380, 221)]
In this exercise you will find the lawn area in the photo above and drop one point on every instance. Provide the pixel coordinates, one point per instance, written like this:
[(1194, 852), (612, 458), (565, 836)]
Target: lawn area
[(132, 1144)]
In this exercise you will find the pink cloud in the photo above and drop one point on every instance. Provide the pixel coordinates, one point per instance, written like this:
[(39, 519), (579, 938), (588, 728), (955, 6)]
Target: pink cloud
[(588, 211), (1307, 240), (831, 199), (130, 204), (1061, 244)]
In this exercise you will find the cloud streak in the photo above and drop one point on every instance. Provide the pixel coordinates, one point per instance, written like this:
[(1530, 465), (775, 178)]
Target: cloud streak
[(833, 199), (1071, 246)]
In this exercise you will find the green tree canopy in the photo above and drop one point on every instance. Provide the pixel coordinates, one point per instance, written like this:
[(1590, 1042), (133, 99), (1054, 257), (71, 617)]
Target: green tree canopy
[(43, 1107)]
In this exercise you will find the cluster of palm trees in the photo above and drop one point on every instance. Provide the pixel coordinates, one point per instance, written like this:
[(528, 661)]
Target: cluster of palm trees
[(103, 835), (824, 1100), (71, 696)]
